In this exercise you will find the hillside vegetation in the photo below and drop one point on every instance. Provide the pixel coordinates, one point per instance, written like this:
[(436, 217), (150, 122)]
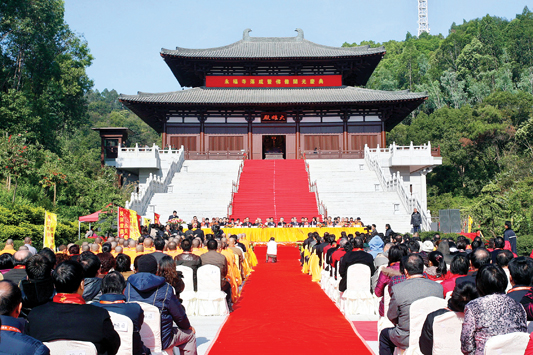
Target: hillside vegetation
[(479, 79)]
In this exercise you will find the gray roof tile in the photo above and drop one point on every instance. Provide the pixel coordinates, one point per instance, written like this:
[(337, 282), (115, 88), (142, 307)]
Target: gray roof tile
[(273, 47), (203, 96)]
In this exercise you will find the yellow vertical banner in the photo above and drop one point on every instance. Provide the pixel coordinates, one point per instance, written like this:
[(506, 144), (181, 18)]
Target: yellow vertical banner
[(50, 224), (470, 221), (135, 221)]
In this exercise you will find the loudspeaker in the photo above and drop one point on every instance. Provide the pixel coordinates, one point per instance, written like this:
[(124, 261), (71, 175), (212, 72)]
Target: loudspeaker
[(455, 221), (444, 221)]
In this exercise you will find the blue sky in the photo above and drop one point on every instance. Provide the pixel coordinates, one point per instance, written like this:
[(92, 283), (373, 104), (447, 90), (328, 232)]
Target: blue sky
[(125, 36)]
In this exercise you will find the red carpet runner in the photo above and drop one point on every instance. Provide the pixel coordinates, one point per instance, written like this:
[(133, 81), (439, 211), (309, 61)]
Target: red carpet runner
[(274, 188), (282, 312)]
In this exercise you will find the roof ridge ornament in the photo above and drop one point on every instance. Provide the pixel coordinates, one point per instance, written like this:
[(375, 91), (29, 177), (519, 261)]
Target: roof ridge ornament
[(246, 35), (300, 35)]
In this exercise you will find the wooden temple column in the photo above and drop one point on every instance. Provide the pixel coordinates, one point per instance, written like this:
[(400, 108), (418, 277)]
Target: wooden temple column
[(250, 119), (345, 117), (383, 136), (297, 119), (202, 119)]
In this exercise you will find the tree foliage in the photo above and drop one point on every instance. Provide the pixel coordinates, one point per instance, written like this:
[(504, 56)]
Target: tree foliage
[(479, 79)]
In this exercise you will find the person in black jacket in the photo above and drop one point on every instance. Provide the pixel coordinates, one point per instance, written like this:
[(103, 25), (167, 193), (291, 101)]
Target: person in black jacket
[(92, 283), (69, 318), (145, 286), (355, 256), (113, 299), (510, 236), (38, 288), (416, 221)]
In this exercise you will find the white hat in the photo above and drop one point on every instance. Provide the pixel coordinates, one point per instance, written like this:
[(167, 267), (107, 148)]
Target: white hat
[(427, 246)]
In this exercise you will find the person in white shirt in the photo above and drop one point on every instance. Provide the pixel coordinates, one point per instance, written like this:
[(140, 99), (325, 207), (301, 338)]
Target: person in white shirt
[(272, 250)]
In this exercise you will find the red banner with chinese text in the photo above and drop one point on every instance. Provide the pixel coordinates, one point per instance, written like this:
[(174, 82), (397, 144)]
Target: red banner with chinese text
[(290, 81), (156, 218), (128, 224)]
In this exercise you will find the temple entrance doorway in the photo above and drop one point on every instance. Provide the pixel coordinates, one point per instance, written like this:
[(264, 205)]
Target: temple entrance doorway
[(274, 147)]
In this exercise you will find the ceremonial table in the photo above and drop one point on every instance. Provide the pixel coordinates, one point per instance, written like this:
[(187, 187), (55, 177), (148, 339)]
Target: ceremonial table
[(285, 234)]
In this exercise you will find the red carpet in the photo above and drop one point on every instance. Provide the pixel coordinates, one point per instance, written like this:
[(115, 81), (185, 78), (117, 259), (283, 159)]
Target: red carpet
[(274, 188), (282, 312)]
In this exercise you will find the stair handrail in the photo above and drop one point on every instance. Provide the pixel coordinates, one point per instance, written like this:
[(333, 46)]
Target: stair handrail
[(394, 182), (322, 210), (140, 199), (235, 185)]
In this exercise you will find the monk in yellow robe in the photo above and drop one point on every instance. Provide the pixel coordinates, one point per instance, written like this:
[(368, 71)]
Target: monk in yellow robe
[(9, 247)]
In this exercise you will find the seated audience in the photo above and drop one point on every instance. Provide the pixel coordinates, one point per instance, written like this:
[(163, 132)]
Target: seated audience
[(493, 313), (19, 270), (12, 337), (502, 259), (478, 258), (69, 318), (499, 244), (437, 269), (444, 249), (123, 265), (459, 267), (167, 269), (9, 248), (113, 300), (159, 245), (7, 262), (38, 288), (404, 294), (460, 297), (521, 274), (219, 260), (393, 269), (352, 257), (107, 262), (187, 258), (376, 246), (145, 286), (91, 265), (50, 255)]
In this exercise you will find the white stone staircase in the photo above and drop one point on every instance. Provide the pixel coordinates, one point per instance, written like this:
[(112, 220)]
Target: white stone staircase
[(201, 188), (348, 188)]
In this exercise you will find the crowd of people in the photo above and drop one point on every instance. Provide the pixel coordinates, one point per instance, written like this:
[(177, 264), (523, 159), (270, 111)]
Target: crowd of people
[(486, 284), (47, 296), (270, 222)]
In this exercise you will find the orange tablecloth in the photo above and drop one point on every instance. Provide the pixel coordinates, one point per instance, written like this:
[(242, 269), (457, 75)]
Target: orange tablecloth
[(285, 234)]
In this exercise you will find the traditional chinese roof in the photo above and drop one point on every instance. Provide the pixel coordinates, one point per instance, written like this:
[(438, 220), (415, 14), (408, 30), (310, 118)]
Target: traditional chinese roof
[(247, 56), (145, 104), (273, 48)]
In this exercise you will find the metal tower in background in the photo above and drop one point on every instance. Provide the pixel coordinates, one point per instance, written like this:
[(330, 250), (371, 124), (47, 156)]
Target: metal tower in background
[(423, 22)]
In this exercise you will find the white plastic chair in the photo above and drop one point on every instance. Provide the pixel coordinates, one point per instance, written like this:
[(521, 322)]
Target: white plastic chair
[(418, 313), (324, 279), (70, 347), (508, 344), (151, 329), (357, 299), (447, 333), (384, 322), (188, 295), (124, 327), (210, 298)]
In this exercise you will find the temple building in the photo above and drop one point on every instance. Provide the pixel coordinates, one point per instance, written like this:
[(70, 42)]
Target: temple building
[(264, 98), (273, 97)]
